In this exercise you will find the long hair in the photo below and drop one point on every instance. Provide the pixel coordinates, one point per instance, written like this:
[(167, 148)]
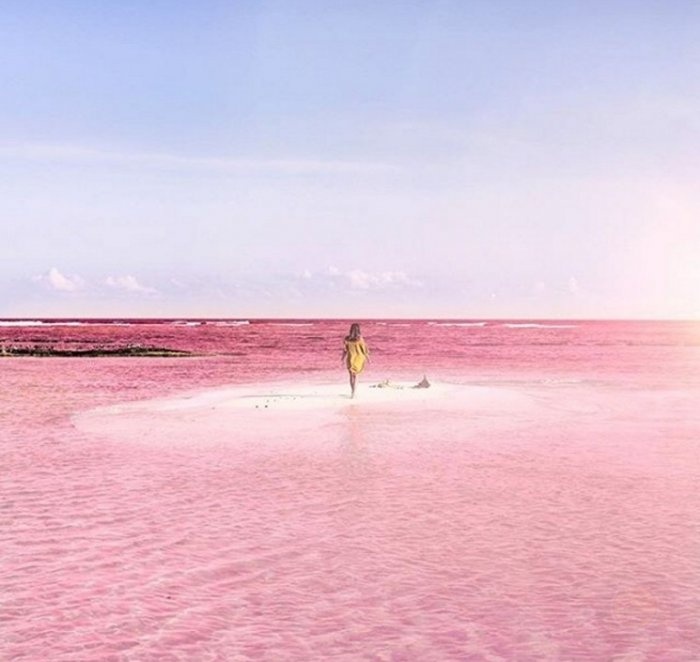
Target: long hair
[(354, 332)]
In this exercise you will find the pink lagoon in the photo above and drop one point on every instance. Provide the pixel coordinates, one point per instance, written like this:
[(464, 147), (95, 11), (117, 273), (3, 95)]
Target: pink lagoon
[(199, 200), (539, 502)]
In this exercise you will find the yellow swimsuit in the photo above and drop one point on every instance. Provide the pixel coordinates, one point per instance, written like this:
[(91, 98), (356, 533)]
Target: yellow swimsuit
[(357, 355)]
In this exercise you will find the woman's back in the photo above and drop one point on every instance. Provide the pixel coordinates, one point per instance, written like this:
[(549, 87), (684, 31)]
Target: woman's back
[(355, 353)]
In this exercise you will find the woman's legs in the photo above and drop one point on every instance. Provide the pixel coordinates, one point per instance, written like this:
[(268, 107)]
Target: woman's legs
[(353, 377)]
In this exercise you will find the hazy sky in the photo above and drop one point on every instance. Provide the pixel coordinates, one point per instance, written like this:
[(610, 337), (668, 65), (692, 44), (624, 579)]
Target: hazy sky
[(380, 158)]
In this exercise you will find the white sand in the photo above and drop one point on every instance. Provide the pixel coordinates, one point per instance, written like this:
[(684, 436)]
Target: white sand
[(280, 408), (291, 396)]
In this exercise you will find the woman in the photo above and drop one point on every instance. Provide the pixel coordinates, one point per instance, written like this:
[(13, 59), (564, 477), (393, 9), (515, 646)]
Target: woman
[(355, 354)]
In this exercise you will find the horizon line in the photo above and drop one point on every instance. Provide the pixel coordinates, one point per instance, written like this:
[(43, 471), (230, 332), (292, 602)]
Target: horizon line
[(40, 318)]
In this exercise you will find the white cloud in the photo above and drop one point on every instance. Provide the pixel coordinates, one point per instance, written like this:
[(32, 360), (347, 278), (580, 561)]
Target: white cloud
[(128, 284), (364, 280), (574, 287), (359, 279), (55, 280)]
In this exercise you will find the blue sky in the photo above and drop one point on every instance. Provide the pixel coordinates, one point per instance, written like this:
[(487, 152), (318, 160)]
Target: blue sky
[(460, 159)]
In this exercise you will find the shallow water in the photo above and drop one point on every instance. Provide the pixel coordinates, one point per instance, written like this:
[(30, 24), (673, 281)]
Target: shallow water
[(564, 529)]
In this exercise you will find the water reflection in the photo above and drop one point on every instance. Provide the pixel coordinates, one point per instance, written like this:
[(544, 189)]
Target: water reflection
[(355, 461)]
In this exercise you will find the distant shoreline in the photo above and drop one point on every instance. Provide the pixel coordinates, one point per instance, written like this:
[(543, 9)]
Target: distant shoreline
[(48, 352)]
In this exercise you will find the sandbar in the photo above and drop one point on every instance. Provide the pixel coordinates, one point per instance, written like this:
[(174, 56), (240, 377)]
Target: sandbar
[(278, 409)]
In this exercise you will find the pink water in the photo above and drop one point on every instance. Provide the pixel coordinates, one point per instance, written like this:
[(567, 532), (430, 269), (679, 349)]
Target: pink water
[(567, 529)]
